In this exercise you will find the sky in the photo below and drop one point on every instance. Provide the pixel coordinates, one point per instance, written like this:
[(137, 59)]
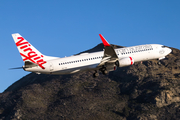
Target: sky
[(65, 27)]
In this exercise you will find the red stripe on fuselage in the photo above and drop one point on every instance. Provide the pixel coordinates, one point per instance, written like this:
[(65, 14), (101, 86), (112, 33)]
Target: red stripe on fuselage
[(131, 60)]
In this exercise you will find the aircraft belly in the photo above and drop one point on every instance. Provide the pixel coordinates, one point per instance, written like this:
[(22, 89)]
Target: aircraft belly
[(75, 69)]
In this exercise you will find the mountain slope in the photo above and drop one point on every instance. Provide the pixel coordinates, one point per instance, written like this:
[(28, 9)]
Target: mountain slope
[(146, 91)]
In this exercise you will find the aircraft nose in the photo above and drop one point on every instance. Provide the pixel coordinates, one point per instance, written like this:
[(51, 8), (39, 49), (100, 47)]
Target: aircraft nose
[(168, 50)]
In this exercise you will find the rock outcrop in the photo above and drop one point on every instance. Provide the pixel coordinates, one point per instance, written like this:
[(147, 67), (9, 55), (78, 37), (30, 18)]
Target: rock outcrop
[(143, 91)]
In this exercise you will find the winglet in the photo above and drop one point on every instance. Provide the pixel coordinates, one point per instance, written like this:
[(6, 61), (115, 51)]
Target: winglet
[(106, 44)]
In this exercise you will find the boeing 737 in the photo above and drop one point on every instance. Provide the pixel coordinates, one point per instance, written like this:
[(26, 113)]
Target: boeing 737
[(104, 61)]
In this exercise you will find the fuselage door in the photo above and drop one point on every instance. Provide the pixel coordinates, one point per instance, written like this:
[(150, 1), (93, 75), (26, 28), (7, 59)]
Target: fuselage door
[(51, 66)]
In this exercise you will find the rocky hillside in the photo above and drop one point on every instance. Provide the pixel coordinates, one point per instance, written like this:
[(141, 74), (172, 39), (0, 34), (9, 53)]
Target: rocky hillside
[(144, 91)]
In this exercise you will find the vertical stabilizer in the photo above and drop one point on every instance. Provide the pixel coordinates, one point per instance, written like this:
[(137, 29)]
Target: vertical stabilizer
[(28, 52)]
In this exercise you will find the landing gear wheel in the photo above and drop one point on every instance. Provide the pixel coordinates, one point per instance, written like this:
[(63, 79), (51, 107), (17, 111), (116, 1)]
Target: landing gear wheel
[(105, 72), (96, 74), (159, 62)]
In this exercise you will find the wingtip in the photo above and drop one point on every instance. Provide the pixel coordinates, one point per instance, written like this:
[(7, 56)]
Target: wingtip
[(106, 44)]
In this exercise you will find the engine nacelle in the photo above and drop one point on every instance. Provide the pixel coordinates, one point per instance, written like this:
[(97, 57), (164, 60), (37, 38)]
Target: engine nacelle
[(127, 61), (111, 68)]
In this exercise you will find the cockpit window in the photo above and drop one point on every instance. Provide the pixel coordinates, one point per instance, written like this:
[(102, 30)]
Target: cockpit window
[(163, 46)]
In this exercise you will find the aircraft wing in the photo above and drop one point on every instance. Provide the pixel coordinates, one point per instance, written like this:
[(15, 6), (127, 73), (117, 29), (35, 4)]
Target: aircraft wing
[(110, 56)]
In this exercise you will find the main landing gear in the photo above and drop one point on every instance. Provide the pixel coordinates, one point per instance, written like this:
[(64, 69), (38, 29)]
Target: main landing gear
[(96, 74), (103, 70)]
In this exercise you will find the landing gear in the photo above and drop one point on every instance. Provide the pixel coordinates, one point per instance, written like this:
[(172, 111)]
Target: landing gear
[(104, 71), (96, 74), (159, 62)]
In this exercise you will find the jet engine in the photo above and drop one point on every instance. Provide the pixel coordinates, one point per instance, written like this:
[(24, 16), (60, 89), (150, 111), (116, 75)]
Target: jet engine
[(127, 61)]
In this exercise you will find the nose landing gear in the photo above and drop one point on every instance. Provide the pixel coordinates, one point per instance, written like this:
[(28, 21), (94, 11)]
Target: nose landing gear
[(159, 62)]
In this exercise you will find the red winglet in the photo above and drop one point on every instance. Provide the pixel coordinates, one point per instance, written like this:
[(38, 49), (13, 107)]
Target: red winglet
[(106, 44)]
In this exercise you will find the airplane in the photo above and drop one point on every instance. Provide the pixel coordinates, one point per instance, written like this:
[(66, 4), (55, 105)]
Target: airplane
[(103, 61)]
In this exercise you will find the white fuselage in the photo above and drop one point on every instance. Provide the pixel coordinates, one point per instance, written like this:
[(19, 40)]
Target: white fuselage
[(90, 61)]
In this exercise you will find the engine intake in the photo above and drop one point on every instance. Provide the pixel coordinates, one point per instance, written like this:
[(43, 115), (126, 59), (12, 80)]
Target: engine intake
[(127, 61)]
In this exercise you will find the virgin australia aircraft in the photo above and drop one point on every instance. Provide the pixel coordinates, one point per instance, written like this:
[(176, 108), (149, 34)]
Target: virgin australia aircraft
[(104, 61)]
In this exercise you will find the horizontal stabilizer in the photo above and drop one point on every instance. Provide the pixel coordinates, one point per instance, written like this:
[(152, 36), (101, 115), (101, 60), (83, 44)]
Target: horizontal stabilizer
[(29, 64), (16, 68)]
